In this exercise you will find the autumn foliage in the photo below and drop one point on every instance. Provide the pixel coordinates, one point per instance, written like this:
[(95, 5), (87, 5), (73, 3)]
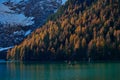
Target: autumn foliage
[(86, 29)]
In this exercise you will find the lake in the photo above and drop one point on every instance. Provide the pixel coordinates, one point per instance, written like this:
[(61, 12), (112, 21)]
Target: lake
[(59, 71)]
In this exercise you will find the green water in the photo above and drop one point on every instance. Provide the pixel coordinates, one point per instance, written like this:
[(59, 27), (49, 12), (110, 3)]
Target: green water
[(59, 71)]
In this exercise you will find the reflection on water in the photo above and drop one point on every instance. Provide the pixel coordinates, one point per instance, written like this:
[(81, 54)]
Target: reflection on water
[(59, 71)]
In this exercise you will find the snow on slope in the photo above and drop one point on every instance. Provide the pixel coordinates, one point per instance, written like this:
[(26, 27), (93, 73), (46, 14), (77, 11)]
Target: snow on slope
[(27, 32), (4, 8), (15, 1), (4, 49), (10, 17), (63, 1), (1, 1)]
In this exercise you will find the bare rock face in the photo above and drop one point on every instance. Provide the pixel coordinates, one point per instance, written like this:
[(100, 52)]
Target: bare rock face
[(18, 18), (41, 9), (38, 9)]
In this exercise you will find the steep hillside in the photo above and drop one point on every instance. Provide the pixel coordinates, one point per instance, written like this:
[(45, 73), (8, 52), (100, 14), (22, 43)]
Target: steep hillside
[(39, 10), (81, 30), (20, 17)]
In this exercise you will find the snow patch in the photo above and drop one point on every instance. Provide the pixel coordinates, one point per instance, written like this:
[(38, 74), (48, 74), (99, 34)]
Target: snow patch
[(15, 19), (28, 32), (19, 32), (1, 1), (14, 1), (63, 1), (8, 16), (4, 49), (4, 8)]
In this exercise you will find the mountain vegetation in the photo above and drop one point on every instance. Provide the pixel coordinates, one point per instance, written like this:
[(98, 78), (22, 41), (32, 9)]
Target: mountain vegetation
[(80, 30)]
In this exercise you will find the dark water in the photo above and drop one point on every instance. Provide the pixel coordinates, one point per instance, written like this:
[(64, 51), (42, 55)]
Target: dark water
[(59, 71)]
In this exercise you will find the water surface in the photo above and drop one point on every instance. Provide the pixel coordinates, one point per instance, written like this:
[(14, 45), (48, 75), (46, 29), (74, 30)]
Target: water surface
[(59, 71)]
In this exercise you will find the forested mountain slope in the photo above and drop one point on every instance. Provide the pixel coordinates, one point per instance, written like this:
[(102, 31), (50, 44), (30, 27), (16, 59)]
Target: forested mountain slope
[(80, 30)]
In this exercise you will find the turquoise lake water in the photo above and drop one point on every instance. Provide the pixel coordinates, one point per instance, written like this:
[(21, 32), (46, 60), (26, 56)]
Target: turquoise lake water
[(59, 71)]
